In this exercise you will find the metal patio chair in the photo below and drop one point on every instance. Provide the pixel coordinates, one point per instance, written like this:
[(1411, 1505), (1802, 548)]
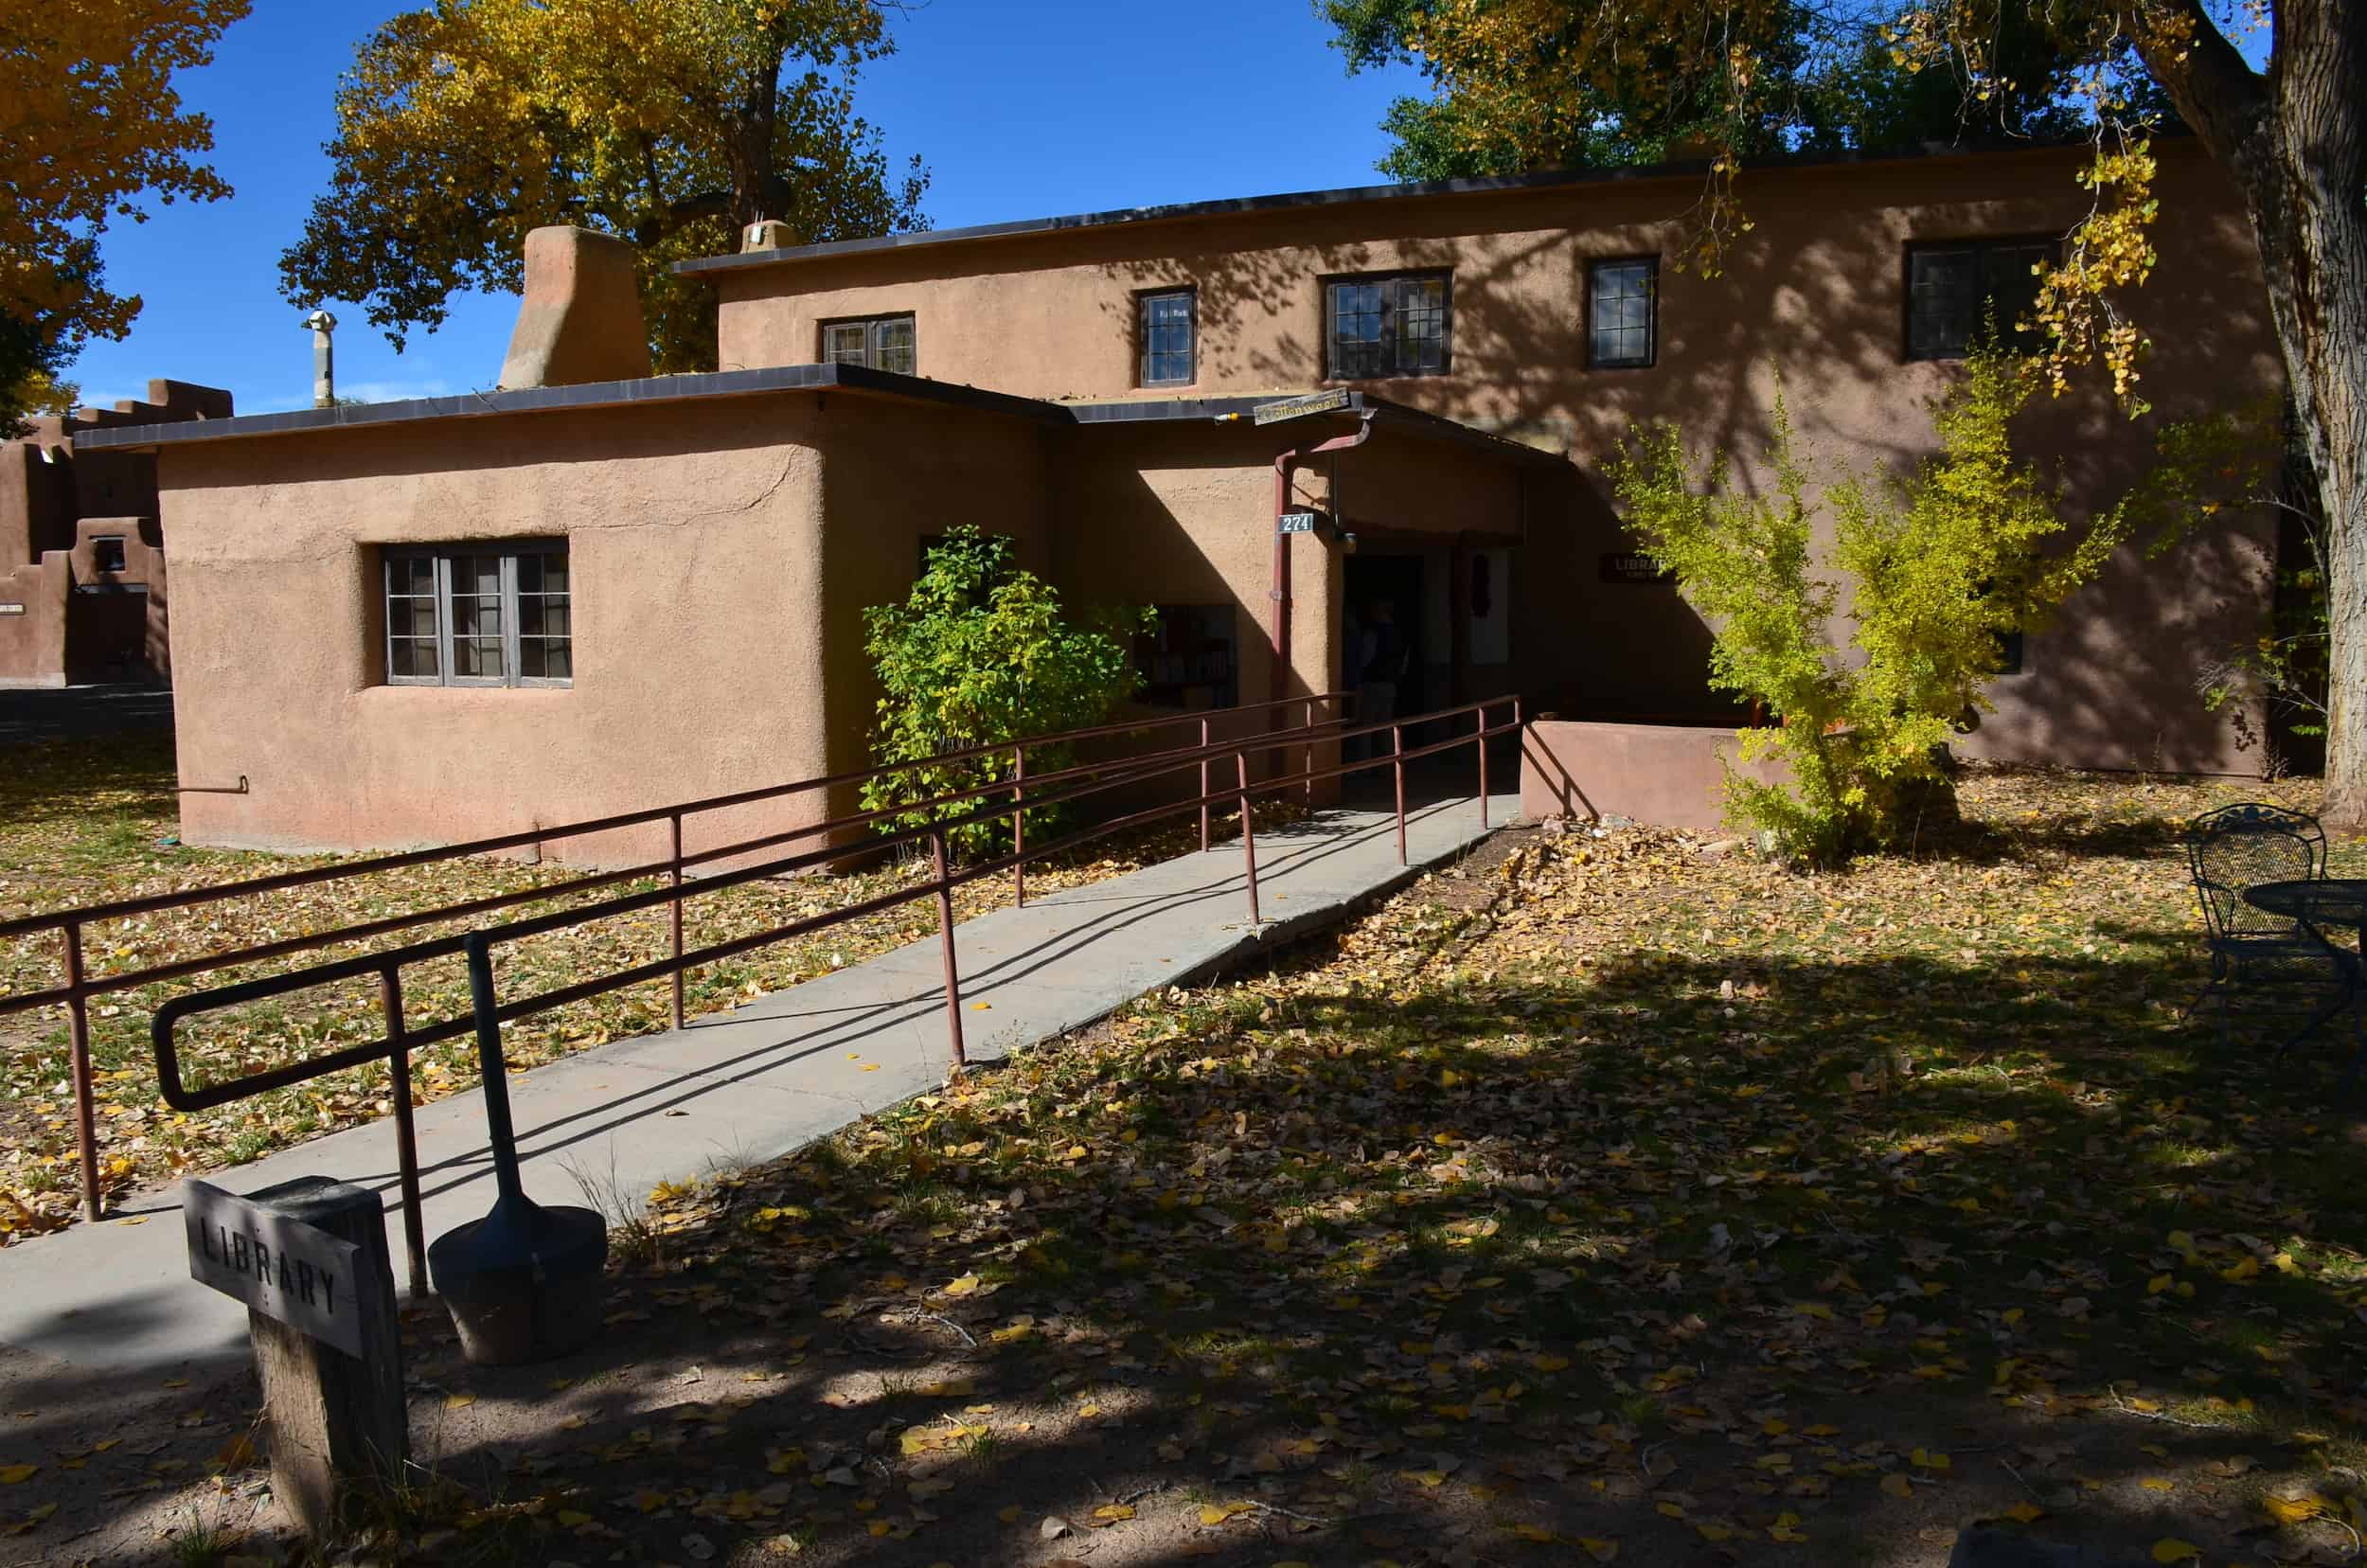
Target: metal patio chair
[(2241, 846)]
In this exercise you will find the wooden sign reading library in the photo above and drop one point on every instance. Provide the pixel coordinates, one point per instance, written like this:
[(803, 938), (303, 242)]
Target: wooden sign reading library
[(290, 1271)]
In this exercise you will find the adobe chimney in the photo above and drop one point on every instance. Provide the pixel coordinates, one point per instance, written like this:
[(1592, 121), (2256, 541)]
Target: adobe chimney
[(581, 319)]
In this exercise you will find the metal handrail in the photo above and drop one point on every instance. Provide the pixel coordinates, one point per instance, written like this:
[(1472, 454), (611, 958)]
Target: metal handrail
[(80, 986), (488, 1012)]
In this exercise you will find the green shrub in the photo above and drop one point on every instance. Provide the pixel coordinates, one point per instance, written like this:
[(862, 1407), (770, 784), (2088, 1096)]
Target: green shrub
[(1935, 568), (980, 653)]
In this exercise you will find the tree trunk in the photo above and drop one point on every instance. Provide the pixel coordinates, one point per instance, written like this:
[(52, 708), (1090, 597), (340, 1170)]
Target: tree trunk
[(2295, 143), (2305, 172)]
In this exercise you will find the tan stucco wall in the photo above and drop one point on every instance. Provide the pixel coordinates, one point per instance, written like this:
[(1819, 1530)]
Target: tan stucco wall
[(1814, 292), (715, 617), (696, 573), (33, 622)]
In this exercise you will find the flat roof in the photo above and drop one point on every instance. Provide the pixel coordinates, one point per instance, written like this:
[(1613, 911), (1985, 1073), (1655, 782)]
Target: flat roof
[(1232, 205), (614, 394), (799, 377)]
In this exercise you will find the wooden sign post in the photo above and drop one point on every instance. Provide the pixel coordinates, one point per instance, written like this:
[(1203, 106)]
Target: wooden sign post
[(308, 1258)]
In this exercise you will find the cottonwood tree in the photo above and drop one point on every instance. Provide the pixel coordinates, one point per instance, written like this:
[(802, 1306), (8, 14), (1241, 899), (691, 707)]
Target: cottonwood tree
[(89, 126), (670, 123), (1530, 80)]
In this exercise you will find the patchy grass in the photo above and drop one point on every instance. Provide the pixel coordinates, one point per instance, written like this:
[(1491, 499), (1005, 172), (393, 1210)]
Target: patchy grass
[(90, 821)]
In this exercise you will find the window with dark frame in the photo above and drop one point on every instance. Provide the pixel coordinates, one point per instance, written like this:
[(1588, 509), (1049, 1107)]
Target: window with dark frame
[(1393, 325), (107, 553), (1953, 287), (1167, 324), (1186, 659), (882, 343), (495, 614), (1622, 312)]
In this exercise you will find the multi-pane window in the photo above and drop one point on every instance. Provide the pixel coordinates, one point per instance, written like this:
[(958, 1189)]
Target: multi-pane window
[(1168, 329), (485, 616), (1394, 325), (883, 342), (1952, 289), (1620, 300)]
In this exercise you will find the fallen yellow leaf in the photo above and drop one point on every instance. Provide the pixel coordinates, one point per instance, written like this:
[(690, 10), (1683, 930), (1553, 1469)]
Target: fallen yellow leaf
[(2171, 1549)]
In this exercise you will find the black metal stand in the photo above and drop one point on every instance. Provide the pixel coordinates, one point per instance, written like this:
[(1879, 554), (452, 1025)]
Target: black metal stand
[(527, 1282)]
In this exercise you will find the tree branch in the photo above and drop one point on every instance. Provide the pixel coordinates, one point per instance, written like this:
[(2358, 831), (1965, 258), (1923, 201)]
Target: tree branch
[(2220, 97)]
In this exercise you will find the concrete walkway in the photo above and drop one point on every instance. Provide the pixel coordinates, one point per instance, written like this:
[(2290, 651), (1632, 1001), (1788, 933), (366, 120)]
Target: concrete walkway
[(744, 1086)]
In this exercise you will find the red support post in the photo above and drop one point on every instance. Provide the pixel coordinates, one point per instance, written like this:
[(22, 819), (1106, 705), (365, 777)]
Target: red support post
[(679, 1013), (945, 934), (1397, 749), (1019, 826), (1249, 832), (1310, 750), (85, 1095), (406, 1137), (1480, 716), (1203, 786)]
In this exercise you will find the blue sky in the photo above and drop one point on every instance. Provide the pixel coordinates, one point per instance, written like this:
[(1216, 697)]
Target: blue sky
[(1021, 108)]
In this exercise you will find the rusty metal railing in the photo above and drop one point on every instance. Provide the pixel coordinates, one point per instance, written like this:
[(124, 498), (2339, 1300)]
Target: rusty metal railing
[(488, 1012), (70, 926)]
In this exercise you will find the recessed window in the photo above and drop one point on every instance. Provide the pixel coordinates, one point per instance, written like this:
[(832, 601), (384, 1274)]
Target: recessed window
[(1622, 299), (883, 342), (479, 616), (1169, 327), (106, 552), (1391, 326), (1186, 659), (1951, 289)]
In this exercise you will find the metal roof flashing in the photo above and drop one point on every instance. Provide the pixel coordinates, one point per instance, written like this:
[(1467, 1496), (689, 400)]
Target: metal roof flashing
[(1554, 179), (659, 390)]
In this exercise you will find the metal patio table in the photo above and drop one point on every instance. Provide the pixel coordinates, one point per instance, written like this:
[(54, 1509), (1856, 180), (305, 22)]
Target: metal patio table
[(2327, 900)]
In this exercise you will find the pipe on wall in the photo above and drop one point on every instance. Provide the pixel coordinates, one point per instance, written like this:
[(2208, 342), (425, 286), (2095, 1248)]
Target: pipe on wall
[(1284, 464)]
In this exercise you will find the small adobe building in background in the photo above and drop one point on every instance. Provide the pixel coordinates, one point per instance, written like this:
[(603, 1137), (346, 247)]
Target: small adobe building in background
[(81, 556)]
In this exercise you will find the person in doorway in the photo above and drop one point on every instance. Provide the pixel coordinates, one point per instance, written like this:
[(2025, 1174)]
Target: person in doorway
[(1381, 667)]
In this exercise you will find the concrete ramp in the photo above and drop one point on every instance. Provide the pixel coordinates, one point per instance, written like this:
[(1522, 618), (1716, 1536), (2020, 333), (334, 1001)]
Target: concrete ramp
[(748, 1085)]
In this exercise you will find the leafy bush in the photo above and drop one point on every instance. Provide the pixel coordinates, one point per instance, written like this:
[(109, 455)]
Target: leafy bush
[(1937, 568), (980, 653)]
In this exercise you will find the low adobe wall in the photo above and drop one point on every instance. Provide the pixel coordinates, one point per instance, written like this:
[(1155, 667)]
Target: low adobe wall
[(1672, 776)]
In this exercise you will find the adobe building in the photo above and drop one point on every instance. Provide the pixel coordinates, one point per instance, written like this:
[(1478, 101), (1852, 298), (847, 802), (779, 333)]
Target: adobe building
[(81, 556), (426, 621)]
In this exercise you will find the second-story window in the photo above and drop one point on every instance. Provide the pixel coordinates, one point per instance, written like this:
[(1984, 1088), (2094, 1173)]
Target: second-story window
[(1168, 327), (1387, 326), (1621, 299), (883, 342), (1953, 287)]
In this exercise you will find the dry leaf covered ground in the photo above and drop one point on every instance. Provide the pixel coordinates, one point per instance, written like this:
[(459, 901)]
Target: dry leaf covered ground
[(1599, 1200), (88, 821)]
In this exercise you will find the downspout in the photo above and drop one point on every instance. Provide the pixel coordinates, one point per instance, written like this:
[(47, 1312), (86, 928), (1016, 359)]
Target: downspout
[(1278, 687)]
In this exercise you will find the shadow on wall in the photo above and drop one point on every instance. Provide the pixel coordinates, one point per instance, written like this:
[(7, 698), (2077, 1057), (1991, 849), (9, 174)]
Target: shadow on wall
[(1815, 295)]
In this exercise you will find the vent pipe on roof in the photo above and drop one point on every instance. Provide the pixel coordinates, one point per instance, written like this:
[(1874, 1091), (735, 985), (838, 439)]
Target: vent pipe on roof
[(324, 358)]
